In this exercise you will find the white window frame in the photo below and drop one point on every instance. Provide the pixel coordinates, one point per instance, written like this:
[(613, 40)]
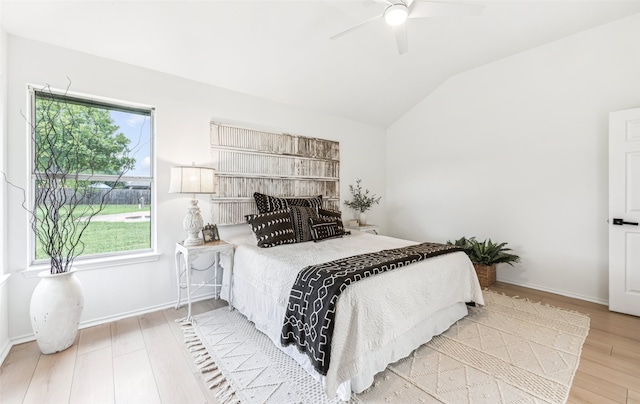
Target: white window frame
[(104, 260)]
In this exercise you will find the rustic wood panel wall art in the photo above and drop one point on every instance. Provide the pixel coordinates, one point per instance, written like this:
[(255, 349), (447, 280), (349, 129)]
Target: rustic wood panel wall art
[(278, 164)]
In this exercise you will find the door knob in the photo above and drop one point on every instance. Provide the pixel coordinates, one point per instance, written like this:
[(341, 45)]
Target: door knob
[(620, 222)]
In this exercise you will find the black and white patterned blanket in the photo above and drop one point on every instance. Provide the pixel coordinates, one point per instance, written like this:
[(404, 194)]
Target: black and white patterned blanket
[(309, 321)]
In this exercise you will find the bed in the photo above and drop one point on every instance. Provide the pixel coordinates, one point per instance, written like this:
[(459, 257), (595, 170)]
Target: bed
[(379, 320)]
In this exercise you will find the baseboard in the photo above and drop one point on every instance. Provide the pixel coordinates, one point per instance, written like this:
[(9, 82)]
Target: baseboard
[(104, 320), (5, 351), (3, 278), (556, 291)]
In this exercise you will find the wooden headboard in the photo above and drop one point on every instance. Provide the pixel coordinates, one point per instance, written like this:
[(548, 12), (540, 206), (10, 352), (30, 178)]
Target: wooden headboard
[(277, 164)]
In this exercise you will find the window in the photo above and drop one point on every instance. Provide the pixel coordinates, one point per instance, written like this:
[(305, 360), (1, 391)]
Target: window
[(92, 175)]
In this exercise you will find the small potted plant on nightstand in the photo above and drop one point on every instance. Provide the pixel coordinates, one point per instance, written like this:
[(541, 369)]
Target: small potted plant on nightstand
[(361, 201)]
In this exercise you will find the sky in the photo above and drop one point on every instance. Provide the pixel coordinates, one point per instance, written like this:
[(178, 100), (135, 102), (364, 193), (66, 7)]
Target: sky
[(138, 129)]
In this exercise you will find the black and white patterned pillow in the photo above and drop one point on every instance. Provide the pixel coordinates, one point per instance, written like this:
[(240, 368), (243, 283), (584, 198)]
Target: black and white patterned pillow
[(323, 229), (334, 215), (300, 216), (313, 202), (268, 203), (272, 228)]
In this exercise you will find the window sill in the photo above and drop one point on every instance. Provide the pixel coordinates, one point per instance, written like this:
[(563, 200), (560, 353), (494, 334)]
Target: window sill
[(97, 263)]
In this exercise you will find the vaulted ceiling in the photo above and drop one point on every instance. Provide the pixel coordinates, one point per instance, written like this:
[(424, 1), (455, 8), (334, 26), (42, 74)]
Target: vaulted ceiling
[(280, 50)]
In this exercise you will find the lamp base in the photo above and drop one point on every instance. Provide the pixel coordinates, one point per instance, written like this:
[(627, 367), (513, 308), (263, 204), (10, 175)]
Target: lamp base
[(193, 242), (193, 224)]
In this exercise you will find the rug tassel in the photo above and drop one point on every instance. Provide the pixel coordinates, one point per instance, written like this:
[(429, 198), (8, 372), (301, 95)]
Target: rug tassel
[(201, 359), (216, 382), (213, 376), (198, 354), (213, 385), (222, 390), (226, 396), (208, 368), (225, 399), (206, 365)]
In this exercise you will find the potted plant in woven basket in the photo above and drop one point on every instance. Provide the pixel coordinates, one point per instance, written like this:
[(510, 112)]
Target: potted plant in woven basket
[(485, 255)]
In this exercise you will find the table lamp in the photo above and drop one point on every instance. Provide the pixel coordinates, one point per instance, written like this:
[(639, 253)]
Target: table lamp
[(192, 180)]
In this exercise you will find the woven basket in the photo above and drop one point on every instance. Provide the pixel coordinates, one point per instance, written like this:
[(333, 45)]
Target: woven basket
[(486, 274)]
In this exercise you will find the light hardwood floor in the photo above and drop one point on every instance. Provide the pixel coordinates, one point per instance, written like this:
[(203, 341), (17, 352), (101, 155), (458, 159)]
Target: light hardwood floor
[(143, 360)]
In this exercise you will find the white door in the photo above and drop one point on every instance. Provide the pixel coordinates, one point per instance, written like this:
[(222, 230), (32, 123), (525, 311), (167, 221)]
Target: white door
[(624, 211)]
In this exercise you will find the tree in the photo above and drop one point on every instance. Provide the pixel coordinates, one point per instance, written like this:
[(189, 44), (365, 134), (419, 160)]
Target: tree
[(78, 138)]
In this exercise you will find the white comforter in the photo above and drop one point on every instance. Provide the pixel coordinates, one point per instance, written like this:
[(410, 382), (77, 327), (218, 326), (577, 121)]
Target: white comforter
[(371, 313)]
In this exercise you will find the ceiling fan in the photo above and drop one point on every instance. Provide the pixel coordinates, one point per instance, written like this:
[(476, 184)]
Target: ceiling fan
[(397, 12)]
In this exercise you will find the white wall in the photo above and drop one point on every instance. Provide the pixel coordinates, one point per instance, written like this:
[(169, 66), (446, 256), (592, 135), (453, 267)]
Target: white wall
[(4, 293), (516, 150), (184, 110)]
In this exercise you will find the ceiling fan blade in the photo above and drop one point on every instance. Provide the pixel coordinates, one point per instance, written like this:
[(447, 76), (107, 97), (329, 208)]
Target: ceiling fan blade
[(355, 27), (424, 9), (400, 32)]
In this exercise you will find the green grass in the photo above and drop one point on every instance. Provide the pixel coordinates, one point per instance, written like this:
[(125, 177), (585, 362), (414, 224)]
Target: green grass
[(112, 209), (106, 237)]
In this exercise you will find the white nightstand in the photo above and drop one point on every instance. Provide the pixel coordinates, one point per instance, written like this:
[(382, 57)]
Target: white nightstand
[(186, 255), (366, 227)]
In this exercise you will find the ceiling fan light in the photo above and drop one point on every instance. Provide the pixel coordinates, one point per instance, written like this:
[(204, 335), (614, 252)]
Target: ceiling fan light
[(396, 14)]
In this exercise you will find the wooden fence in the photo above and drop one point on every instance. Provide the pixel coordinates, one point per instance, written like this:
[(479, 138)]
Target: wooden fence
[(114, 197)]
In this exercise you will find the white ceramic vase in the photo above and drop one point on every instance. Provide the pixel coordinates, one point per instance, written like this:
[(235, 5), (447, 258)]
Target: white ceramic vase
[(362, 218), (56, 307)]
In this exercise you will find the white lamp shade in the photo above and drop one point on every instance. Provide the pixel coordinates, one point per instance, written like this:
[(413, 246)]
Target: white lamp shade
[(192, 180)]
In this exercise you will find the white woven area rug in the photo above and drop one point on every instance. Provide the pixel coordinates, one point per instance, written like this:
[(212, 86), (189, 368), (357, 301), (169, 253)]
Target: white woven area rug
[(509, 351)]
